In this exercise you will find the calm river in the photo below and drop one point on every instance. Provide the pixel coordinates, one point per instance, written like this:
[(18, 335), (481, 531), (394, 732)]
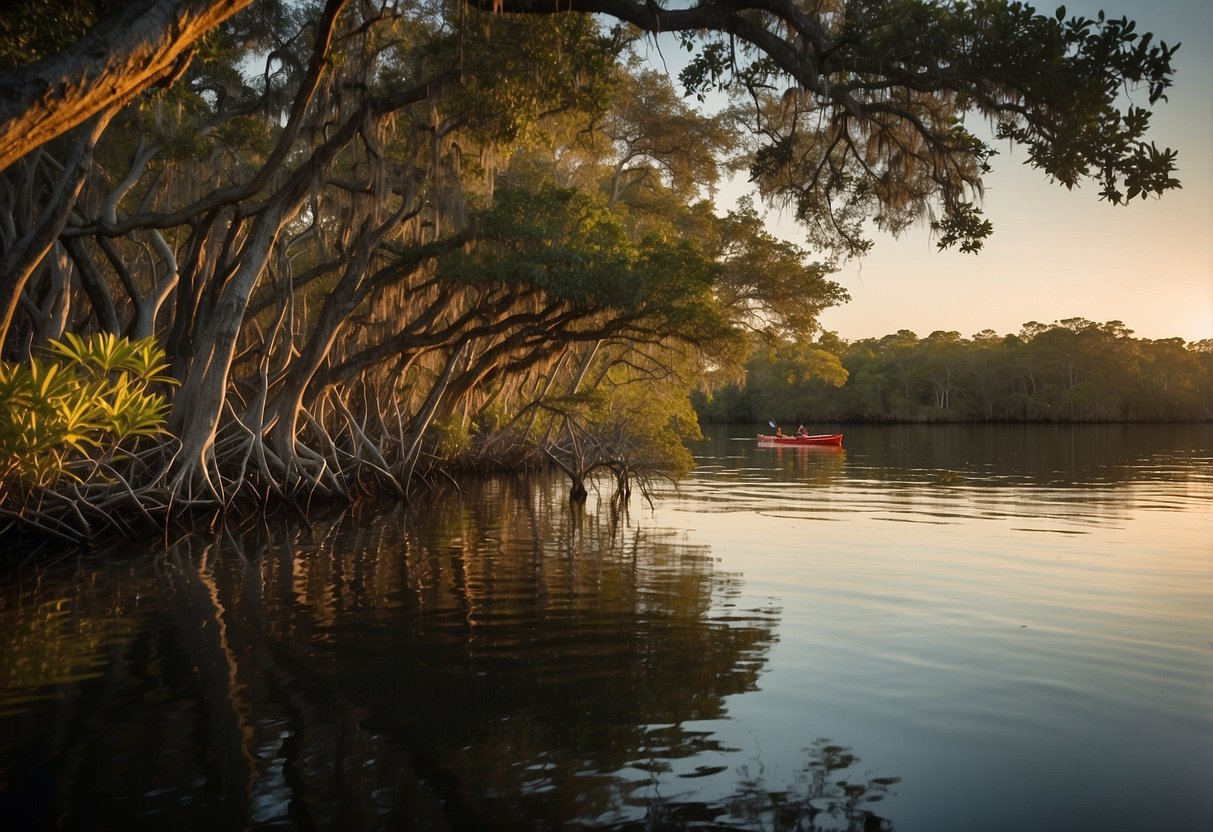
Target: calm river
[(937, 628)]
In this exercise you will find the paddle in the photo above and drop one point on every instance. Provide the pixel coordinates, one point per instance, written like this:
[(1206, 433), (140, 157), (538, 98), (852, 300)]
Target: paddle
[(772, 424)]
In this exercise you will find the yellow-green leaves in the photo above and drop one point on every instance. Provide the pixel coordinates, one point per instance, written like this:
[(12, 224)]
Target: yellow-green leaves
[(61, 416), (107, 353)]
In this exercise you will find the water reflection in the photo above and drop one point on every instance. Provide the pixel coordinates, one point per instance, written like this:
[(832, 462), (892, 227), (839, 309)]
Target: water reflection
[(1057, 479), (1057, 456), (60, 623), (494, 659), (826, 795)]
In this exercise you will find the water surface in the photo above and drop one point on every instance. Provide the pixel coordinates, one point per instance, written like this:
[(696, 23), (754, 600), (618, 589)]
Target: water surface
[(932, 629)]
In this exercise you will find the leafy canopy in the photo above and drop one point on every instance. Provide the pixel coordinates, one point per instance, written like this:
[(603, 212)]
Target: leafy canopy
[(857, 110)]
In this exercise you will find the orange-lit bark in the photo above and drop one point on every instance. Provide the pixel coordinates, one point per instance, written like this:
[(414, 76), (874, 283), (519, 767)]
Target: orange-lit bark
[(149, 44)]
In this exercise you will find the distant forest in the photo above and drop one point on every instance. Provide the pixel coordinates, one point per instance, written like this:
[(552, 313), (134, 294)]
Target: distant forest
[(1071, 370)]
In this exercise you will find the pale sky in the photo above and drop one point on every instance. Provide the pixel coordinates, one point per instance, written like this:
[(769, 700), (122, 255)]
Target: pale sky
[(1059, 254)]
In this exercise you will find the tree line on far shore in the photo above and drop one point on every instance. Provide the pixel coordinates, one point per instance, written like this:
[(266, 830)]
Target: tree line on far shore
[(1071, 370)]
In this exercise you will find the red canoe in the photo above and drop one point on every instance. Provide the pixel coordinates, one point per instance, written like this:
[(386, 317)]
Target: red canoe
[(819, 439)]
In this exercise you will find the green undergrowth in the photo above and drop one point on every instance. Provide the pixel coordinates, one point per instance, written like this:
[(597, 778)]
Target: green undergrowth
[(75, 412)]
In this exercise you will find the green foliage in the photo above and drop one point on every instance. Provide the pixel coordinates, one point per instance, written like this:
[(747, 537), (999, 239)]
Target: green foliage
[(658, 418), (557, 240), (568, 247), (764, 283), (1072, 370), (449, 436), (638, 424), (31, 30), (962, 227), (62, 415), (782, 380), (657, 138), (514, 70), (875, 129)]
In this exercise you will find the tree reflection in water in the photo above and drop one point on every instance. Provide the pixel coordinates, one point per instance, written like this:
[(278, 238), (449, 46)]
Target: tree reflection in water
[(819, 800), (493, 660), (824, 797)]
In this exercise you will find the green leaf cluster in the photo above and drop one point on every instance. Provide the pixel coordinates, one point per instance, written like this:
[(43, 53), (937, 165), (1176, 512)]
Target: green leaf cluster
[(31, 30), (63, 414)]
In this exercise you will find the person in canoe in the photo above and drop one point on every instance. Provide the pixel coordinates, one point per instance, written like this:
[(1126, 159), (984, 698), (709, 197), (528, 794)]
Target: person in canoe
[(779, 431), (802, 431)]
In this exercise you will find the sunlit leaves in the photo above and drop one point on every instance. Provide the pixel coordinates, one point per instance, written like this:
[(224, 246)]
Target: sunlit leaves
[(656, 137), (88, 401), (514, 70), (764, 283), (562, 242)]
